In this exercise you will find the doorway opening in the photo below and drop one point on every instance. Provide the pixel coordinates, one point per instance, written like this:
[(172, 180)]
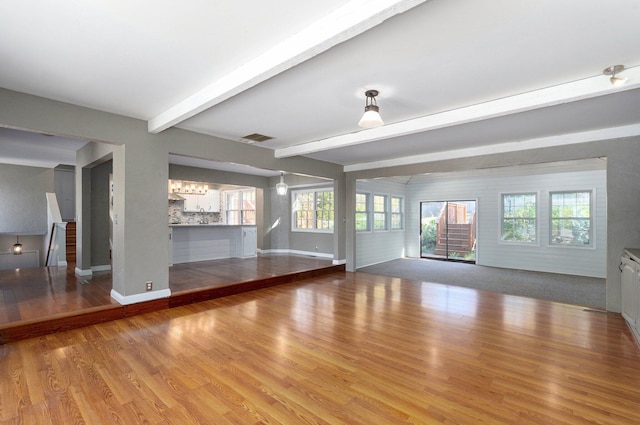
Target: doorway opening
[(448, 230)]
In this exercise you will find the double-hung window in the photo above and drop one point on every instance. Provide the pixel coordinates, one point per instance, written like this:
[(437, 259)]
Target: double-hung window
[(380, 212), (363, 213), (397, 213), (571, 222), (519, 217), (312, 210), (240, 207)]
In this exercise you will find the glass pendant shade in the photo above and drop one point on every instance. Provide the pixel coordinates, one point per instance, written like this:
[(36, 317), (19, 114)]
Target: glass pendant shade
[(371, 117), (612, 71), (281, 188), (17, 247), (617, 81)]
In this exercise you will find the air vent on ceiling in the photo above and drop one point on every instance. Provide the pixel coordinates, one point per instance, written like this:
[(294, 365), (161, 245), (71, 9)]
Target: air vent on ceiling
[(256, 137)]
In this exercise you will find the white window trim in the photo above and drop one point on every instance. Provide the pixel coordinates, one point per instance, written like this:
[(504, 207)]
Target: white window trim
[(402, 214), (293, 211), (501, 218), (369, 212), (386, 211), (592, 226), (240, 211)]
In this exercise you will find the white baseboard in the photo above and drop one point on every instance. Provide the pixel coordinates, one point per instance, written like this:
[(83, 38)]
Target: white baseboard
[(103, 268), (138, 298), (62, 264), (296, 252), (81, 272), (339, 262)]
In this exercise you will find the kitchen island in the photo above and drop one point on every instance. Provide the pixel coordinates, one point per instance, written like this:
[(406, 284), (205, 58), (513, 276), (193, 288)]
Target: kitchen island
[(201, 242)]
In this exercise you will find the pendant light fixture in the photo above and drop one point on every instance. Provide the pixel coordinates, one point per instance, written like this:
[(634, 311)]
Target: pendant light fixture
[(281, 188), (17, 247), (612, 71), (371, 117)]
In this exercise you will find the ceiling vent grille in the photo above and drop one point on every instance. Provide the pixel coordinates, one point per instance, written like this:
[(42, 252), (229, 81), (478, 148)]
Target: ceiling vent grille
[(256, 137)]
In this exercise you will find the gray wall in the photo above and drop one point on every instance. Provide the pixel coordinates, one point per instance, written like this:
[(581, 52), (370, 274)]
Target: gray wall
[(181, 172), (65, 188), (374, 247), (23, 206), (279, 226), (100, 221)]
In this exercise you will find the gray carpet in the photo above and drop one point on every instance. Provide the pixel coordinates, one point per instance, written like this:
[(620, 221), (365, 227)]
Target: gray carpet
[(579, 290)]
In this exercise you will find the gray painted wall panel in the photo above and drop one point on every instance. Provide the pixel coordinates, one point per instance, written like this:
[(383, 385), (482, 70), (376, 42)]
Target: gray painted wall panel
[(487, 187), (23, 193), (100, 221), (374, 247)]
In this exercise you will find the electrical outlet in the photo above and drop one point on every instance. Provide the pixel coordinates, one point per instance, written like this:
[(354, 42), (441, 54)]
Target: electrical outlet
[(149, 286)]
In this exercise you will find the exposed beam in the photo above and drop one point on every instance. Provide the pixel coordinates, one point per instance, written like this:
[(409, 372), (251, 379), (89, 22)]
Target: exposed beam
[(543, 142), (344, 23), (565, 93)]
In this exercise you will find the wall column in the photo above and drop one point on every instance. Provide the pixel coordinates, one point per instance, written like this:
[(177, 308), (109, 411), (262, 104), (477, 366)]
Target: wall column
[(340, 220), (140, 236), (350, 226)]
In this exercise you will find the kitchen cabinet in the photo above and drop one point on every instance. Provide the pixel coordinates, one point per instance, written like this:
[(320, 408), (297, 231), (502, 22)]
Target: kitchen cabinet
[(202, 242), (249, 241), (190, 202), (630, 268), (209, 202), (212, 200)]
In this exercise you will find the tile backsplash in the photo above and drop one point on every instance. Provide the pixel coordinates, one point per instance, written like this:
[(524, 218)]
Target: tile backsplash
[(177, 216)]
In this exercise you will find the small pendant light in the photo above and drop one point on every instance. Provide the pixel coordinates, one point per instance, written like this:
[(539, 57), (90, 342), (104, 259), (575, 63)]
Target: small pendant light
[(615, 80), (281, 188), (371, 117), (17, 247)]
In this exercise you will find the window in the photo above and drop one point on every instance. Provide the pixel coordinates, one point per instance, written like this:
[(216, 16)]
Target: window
[(397, 213), (248, 212), (240, 207), (312, 210), (571, 218), (363, 223), (380, 212), (519, 217)]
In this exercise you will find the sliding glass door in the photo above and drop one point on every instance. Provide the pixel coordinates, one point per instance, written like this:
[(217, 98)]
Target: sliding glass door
[(448, 230)]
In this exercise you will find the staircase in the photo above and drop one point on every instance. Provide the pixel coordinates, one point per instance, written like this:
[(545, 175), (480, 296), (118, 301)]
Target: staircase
[(455, 236), (457, 239), (71, 242)]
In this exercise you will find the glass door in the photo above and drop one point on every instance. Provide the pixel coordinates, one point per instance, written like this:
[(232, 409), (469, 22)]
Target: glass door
[(448, 230)]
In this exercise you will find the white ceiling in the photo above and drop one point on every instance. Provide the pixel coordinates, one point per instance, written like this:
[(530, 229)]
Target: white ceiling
[(456, 77)]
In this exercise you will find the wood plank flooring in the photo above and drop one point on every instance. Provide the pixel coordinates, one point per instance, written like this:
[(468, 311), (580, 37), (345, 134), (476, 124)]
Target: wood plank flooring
[(34, 302), (345, 348)]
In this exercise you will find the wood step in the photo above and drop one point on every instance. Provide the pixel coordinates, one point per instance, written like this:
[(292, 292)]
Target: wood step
[(71, 241)]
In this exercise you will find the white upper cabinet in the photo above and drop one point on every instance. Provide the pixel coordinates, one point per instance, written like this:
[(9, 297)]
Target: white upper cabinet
[(191, 202), (207, 202), (212, 201)]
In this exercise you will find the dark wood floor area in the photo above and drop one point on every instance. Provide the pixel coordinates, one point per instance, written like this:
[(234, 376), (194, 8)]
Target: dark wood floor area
[(38, 301), (344, 348)]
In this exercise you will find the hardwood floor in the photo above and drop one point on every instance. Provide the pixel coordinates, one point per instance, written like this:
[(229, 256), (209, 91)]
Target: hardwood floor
[(34, 302), (345, 348)]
